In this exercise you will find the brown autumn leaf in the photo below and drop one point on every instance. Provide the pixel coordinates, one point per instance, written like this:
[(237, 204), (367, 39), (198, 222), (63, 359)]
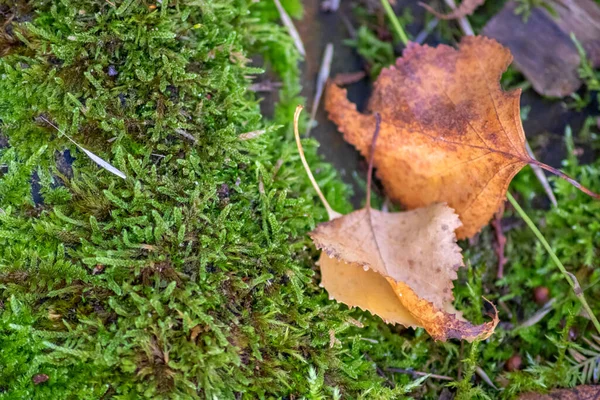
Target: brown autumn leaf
[(399, 266), (449, 132), (583, 392), (466, 7)]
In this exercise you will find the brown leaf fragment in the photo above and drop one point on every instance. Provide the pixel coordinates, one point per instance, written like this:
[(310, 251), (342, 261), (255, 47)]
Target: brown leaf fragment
[(399, 266), (583, 392), (466, 7), (542, 46)]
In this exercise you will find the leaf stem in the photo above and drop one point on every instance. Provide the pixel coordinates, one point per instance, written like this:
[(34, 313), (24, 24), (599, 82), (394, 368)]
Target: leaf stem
[(568, 276), (566, 177), (397, 26)]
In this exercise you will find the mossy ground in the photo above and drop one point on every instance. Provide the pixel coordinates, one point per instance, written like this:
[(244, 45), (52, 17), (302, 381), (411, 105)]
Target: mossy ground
[(193, 277)]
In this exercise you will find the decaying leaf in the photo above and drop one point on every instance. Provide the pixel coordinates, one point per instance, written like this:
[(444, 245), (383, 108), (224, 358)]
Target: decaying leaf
[(466, 7), (399, 266), (449, 132), (583, 392)]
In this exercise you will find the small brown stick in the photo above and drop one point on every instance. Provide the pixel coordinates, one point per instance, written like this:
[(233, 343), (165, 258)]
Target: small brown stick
[(185, 134), (371, 157), (348, 78), (265, 86), (500, 242), (379, 370), (462, 21)]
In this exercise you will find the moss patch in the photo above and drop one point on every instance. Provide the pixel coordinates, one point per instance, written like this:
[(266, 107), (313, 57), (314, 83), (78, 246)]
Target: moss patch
[(192, 278)]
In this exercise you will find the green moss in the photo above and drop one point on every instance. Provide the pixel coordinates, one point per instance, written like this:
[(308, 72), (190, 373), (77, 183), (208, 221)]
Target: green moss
[(192, 278)]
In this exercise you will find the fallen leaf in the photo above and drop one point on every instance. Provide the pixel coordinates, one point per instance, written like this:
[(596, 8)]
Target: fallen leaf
[(466, 7), (399, 266), (583, 392), (449, 132)]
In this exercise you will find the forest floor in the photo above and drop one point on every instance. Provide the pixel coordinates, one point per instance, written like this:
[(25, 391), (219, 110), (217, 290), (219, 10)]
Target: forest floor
[(154, 211)]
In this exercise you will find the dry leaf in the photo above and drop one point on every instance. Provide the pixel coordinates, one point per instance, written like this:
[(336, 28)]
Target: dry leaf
[(399, 266), (583, 392), (466, 7), (449, 132)]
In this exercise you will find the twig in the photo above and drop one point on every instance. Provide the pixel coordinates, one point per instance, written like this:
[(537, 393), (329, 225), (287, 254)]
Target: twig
[(321, 80), (420, 38), (379, 370), (462, 21), (568, 276), (371, 158), (348, 78), (369, 340), (349, 27), (395, 23), (539, 173), (185, 134), (287, 22), (265, 86), (414, 374)]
